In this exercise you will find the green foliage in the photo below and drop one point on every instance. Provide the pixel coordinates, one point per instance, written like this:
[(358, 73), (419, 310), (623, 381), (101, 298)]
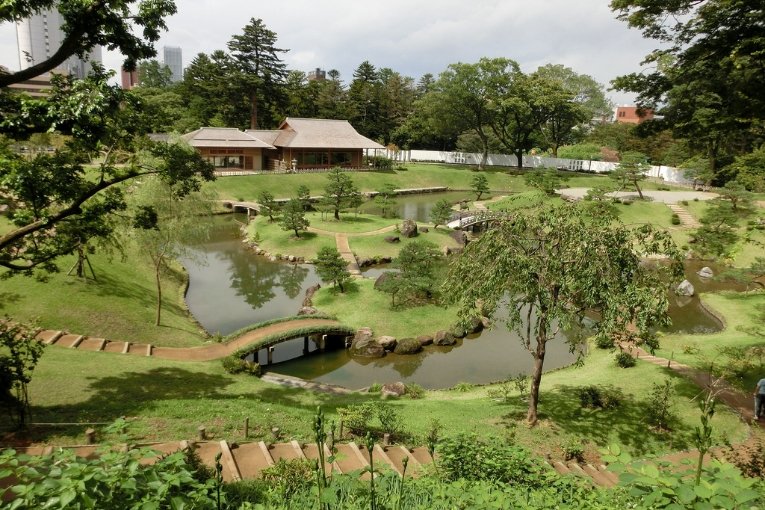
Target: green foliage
[(293, 217), (469, 457), (385, 199), (268, 205), (390, 419), (624, 360), (340, 192), (19, 353), (506, 390), (573, 450), (675, 219), (288, 477), (113, 479), (546, 180), (660, 405), (416, 277), (235, 365), (749, 170), (479, 185), (630, 171), (152, 74), (463, 387), (303, 194), (331, 267), (717, 236), (357, 417), (415, 391), (380, 162), (604, 342), (582, 151), (599, 397), (441, 213)]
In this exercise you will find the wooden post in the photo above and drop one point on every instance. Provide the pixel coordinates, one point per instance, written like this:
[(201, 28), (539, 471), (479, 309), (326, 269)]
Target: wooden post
[(386, 439), (90, 436), (270, 355), (246, 428), (276, 433), (202, 433), (322, 343)]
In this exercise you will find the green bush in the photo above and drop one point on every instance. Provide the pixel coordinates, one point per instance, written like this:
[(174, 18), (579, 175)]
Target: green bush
[(604, 342), (235, 365), (573, 450), (389, 419), (463, 387), (414, 391), (675, 220), (356, 417), (374, 388), (596, 397), (469, 457), (288, 477), (685, 202), (625, 360)]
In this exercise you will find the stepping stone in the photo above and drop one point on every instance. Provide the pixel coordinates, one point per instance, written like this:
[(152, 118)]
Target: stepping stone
[(227, 460), (49, 337), (91, 344), (113, 346), (69, 341), (251, 460)]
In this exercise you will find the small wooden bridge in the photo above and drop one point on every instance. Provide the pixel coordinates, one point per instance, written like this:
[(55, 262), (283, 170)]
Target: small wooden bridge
[(477, 218)]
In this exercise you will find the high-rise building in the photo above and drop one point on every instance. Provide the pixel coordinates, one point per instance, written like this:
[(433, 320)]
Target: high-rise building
[(129, 78), (173, 58), (40, 36)]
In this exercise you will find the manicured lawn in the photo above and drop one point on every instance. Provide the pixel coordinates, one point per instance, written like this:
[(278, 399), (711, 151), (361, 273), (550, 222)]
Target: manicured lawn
[(656, 213), (350, 222), (526, 199), (371, 246), (376, 312), (119, 305), (275, 240)]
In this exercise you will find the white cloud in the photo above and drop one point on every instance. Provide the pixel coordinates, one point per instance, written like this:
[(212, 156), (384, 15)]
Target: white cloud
[(412, 37)]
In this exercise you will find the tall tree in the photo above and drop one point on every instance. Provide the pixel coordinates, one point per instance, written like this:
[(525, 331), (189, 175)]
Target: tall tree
[(263, 71), (293, 217), (553, 266), (630, 171), (365, 98), (705, 78), (153, 74), (331, 267)]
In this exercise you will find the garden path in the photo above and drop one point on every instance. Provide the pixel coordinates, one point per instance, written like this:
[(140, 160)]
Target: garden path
[(686, 219)]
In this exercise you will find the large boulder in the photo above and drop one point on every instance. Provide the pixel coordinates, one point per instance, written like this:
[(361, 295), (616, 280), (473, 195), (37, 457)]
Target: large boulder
[(459, 236), (424, 230), (475, 325), (408, 346), (685, 289), (444, 338), (380, 281), (392, 239), (706, 272), (409, 228), (365, 345), (309, 292), (425, 340), (395, 389), (308, 310), (388, 342)]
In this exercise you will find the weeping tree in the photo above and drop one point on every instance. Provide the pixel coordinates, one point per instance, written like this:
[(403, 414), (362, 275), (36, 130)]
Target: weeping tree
[(553, 266)]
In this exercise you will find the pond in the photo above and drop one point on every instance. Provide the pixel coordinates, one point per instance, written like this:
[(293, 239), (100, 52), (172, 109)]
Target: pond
[(231, 287), (417, 207)]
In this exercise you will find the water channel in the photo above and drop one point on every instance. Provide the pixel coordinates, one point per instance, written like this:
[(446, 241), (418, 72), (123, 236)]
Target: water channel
[(231, 287)]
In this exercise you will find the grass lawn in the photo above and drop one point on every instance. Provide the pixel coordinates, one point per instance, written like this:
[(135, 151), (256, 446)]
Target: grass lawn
[(739, 310), (275, 240), (119, 305), (377, 314), (416, 175), (640, 212), (371, 246), (350, 222), (166, 401)]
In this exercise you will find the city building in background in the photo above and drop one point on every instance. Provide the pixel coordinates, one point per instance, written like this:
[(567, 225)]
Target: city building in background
[(172, 57), (632, 115), (40, 36), (129, 79)]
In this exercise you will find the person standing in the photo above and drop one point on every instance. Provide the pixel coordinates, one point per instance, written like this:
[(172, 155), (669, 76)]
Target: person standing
[(759, 399)]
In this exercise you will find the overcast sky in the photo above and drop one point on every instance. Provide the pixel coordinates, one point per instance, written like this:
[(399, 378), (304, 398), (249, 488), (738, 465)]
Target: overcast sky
[(412, 37)]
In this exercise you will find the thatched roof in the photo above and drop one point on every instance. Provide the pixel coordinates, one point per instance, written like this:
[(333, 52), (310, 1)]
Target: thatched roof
[(316, 134)]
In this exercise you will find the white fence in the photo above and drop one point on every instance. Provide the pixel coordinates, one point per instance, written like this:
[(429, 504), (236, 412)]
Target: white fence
[(666, 173)]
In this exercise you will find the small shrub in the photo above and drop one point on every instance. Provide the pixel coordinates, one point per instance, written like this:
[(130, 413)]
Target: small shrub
[(288, 477), (235, 365), (684, 202), (463, 387), (660, 405), (595, 397), (604, 342), (662, 187), (356, 418), (690, 349), (389, 419), (627, 202), (573, 450), (625, 360), (675, 220), (375, 388), (414, 391), (696, 199)]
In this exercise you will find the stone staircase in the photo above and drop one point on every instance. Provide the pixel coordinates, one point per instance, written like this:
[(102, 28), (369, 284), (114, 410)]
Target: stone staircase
[(686, 219), (246, 461)]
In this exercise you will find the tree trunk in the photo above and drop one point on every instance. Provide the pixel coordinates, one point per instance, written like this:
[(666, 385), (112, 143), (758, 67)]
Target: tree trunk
[(640, 193), (519, 158), (253, 111), (337, 214), (157, 277), (80, 262), (536, 380)]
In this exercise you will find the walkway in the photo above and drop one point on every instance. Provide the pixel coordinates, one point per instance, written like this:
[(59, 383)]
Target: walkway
[(668, 197), (341, 240), (686, 219), (208, 352)]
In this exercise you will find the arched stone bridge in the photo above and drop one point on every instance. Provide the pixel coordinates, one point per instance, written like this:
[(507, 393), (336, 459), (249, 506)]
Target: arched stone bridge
[(477, 218), (252, 341)]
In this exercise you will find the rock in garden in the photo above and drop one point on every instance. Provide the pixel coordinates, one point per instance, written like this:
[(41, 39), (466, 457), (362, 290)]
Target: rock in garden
[(408, 346), (388, 342), (486, 322), (459, 236), (384, 260), (395, 389), (309, 292), (365, 262), (392, 239), (446, 251), (425, 340), (685, 289), (706, 272), (458, 331), (476, 325), (409, 228), (365, 345), (444, 338), (381, 279), (308, 310), (424, 230)]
